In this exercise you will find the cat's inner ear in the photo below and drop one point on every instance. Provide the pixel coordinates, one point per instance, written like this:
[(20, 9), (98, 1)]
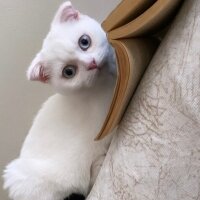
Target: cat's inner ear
[(37, 72), (65, 13)]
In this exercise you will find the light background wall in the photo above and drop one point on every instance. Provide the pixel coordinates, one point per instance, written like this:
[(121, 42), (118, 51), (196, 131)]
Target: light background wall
[(23, 25)]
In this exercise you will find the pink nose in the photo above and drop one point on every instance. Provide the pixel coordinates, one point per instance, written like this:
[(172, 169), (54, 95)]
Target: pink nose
[(92, 65)]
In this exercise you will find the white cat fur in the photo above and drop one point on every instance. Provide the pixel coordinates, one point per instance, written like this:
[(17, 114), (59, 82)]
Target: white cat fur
[(59, 155)]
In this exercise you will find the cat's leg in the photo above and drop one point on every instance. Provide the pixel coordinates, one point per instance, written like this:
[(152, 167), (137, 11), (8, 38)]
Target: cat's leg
[(24, 183), (95, 168), (97, 163)]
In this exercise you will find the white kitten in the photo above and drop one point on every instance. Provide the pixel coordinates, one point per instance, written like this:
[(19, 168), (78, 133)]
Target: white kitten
[(59, 156)]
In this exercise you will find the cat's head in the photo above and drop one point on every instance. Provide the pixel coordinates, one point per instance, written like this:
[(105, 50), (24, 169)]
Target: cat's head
[(73, 53)]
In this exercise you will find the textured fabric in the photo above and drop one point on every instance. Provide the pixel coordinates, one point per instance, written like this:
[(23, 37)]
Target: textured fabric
[(156, 153)]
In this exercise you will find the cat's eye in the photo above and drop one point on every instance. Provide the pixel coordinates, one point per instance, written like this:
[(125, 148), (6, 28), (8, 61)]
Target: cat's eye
[(69, 71), (84, 42)]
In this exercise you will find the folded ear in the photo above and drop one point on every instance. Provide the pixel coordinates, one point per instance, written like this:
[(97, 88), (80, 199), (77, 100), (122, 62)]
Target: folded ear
[(65, 13), (37, 71)]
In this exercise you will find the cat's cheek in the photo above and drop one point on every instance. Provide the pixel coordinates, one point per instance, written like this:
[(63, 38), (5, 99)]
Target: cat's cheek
[(91, 79), (58, 85)]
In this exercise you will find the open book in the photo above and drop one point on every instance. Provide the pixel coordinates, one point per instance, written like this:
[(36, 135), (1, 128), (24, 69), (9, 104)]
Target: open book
[(131, 28)]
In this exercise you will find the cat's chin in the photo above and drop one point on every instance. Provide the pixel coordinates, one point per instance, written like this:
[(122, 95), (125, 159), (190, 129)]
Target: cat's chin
[(75, 90), (87, 85)]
